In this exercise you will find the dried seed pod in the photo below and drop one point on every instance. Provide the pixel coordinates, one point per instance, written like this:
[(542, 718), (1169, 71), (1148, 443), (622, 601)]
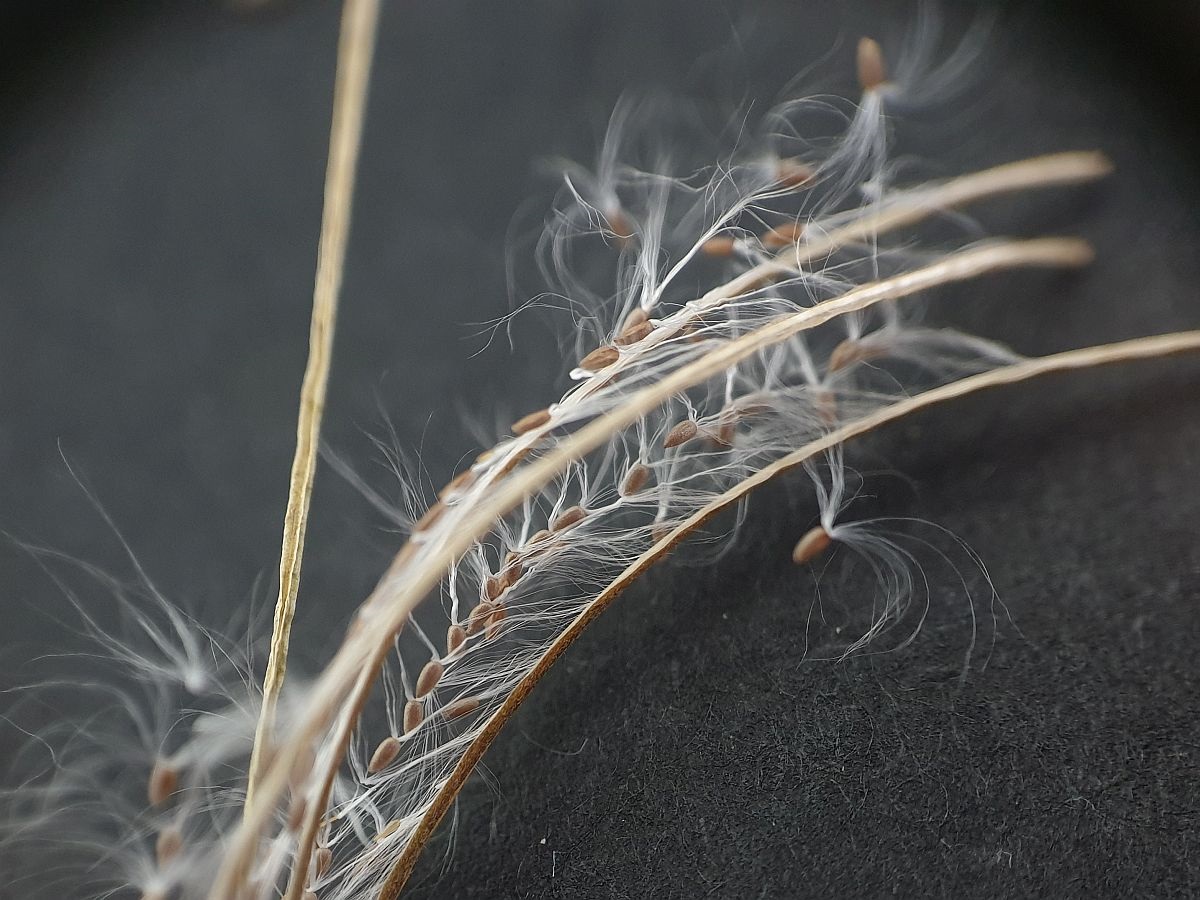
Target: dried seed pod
[(793, 173), (414, 714), (479, 616), (387, 830), (461, 707), (530, 422), (635, 479), (815, 542), (385, 753), (568, 517), (600, 358), (721, 246), (633, 334), (168, 845), (322, 860), (680, 434), (429, 518), (872, 71), (429, 677), (161, 784), (456, 636), (457, 483), (783, 235)]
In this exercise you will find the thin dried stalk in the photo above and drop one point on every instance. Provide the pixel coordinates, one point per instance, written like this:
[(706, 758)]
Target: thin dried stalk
[(355, 48), (1089, 357), (335, 696)]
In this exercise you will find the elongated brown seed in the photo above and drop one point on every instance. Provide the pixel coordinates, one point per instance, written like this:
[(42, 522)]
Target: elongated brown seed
[(793, 173), (492, 587), (512, 573), (385, 753), (429, 677), (783, 235), (459, 708), (168, 845), (164, 778), (456, 636), (637, 317), (812, 545), (531, 421), (429, 518), (600, 358), (680, 434), (568, 517), (322, 860), (478, 618), (872, 71), (539, 536), (633, 334), (635, 479), (414, 714), (721, 246), (499, 614)]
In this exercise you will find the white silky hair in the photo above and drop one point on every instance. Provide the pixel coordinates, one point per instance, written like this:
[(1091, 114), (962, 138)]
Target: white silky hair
[(625, 248)]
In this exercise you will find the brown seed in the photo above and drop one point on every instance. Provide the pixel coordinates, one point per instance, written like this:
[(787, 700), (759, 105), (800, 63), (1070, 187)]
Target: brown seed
[(826, 405), (568, 517), (725, 434), (721, 246), (429, 677), (459, 481), (384, 755), (414, 713), (783, 235), (531, 421), (680, 434), (485, 456), (793, 173), (387, 831), (164, 778), (812, 545), (168, 845), (322, 860), (637, 317), (619, 225), (431, 516), (539, 536), (872, 71), (600, 358), (635, 480), (512, 572), (492, 587), (633, 333), (850, 351), (499, 614), (456, 636), (459, 708), (479, 616)]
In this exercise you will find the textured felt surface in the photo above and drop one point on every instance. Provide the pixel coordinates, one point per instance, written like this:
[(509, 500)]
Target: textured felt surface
[(159, 201)]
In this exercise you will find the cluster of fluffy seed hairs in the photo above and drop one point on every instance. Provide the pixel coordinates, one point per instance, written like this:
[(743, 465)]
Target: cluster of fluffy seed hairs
[(727, 314)]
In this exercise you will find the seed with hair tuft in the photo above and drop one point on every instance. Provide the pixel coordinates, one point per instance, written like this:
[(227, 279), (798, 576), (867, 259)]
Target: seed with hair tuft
[(793, 173), (387, 830), (513, 568), (456, 636), (633, 334), (429, 518), (635, 480), (164, 778), (568, 517), (414, 714), (499, 614), (600, 358), (429, 677), (680, 434), (812, 545), (530, 422), (384, 755), (493, 587), (872, 71), (783, 235), (461, 707), (721, 246), (168, 845), (479, 616), (459, 481), (322, 860)]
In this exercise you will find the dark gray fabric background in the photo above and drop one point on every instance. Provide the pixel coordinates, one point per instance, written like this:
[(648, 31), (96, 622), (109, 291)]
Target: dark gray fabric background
[(159, 202)]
